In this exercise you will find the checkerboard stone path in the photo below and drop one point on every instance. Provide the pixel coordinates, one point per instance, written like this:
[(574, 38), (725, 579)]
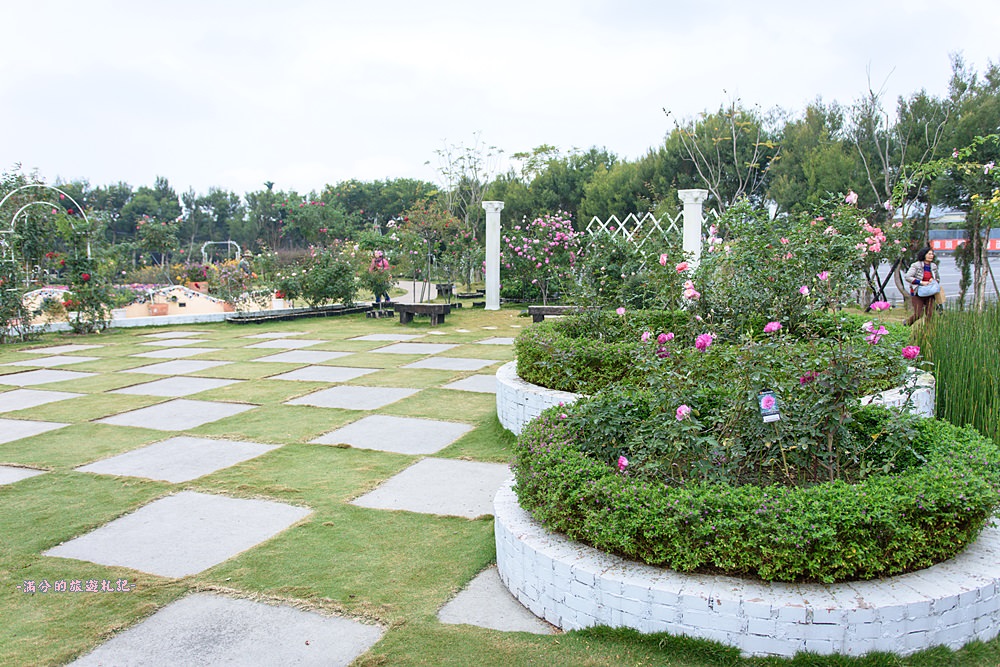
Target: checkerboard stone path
[(186, 532)]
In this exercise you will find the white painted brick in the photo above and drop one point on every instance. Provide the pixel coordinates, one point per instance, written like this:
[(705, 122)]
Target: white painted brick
[(719, 622), (764, 646), (792, 614), (830, 631), (762, 626), (820, 646)]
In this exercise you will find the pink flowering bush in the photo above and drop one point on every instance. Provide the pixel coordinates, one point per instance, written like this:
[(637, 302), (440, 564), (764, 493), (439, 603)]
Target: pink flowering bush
[(541, 253)]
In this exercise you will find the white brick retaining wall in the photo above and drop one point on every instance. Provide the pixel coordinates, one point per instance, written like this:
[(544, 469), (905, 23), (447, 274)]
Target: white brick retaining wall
[(574, 586), (518, 402)]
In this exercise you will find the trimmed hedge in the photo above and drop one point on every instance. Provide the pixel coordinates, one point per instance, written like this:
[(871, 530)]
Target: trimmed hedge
[(885, 525)]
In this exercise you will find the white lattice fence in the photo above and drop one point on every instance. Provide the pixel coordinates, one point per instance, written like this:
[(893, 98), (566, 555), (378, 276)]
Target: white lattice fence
[(638, 230)]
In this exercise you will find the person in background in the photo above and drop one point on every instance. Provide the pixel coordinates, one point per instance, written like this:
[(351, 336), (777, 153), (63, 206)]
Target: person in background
[(922, 272), (380, 265)]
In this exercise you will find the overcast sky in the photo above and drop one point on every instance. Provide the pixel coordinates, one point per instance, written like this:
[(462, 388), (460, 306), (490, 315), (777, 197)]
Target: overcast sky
[(304, 93)]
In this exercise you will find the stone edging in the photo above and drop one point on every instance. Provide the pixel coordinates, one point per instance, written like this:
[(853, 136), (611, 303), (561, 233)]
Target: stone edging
[(574, 586), (518, 402)]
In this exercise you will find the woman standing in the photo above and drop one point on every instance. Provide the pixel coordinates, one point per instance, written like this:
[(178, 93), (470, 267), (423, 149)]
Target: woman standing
[(378, 272), (924, 271)]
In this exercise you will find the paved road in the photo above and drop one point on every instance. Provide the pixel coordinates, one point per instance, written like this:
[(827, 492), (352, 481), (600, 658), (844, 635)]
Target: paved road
[(949, 279)]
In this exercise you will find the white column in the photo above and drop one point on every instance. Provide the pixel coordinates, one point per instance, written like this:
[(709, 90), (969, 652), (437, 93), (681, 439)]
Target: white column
[(693, 220), (493, 209)]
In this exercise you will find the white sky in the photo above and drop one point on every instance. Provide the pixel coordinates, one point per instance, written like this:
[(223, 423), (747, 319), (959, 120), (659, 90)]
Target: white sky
[(309, 92)]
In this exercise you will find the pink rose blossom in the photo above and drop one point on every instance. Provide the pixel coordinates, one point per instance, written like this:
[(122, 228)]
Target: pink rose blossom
[(889, 206), (645, 336), (620, 310), (683, 266), (851, 198), (804, 290), (823, 275), (622, 463), (663, 259), (665, 337), (808, 377), (911, 352), (683, 412), (881, 305), (771, 327), (704, 341)]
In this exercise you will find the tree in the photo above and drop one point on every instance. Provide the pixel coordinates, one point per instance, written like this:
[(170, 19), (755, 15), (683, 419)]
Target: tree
[(731, 150), (468, 172)]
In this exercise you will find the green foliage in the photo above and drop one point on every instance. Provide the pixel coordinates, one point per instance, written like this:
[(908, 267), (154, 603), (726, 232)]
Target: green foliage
[(963, 347), (326, 275), (883, 525)]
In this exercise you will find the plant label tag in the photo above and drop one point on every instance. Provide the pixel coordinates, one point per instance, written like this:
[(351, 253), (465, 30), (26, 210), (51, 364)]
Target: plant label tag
[(768, 406)]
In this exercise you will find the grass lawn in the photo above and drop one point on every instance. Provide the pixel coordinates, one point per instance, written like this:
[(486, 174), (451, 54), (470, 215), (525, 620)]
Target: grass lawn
[(396, 568)]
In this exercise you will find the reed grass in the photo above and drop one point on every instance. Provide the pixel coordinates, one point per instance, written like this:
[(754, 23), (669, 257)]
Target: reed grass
[(963, 346)]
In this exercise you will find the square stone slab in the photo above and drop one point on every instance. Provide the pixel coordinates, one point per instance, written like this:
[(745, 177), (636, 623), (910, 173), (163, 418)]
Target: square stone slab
[(354, 398), (286, 343), (177, 415), (389, 337), (62, 349), (178, 459), (440, 486), (183, 534), (22, 399), (48, 362), (303, 357), (173, 334), (176, 352), (403, 435), (487, 603), (324, 374), (207, 629), (500, 340), (11, 474), (484, 384), (177, 367), (438, 333), (175, 386), (452, 363), (415, 348), (174, 342), (276, 334), (15, 429), (44, 376)]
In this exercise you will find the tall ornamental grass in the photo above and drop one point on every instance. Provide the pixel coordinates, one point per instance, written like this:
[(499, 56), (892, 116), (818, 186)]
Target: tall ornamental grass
[(963, 346)]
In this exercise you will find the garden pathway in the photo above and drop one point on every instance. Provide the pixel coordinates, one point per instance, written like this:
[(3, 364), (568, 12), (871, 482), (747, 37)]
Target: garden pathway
[(187, 532)]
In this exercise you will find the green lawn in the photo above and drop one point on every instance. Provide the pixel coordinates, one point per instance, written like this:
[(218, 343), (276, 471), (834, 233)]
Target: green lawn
[(396, 568)]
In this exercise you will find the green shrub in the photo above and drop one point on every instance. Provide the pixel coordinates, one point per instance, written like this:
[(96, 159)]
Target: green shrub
[(881, 526)]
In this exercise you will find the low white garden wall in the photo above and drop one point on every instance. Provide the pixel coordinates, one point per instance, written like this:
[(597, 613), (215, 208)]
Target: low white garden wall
[(518, 402), (574, 586)]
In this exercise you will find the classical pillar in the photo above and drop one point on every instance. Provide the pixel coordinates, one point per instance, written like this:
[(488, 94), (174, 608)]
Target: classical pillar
[(493, 209), (693, 220)]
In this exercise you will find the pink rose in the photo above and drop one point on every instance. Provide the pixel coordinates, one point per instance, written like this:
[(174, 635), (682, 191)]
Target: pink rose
[(622, 463), (851, 198), (804, 290), (620, 310), (911, 352), (823, 275), (703, 341), (663, 259), (771, 327), (683, 412), (683, 266), (645, 336), (881, 305)]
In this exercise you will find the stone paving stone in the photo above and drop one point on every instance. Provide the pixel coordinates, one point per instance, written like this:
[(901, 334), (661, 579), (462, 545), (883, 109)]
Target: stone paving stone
[(44, 376), (176, 352), (15, 429), (175, 386), (48, 362), (485, 384), (286, 343), (174, 342), (440, 486), (277, 334), (353, 397), (177, 415), (207, 629), (22, 399), (178, 459), (487, 603), (415, 348), (324, 374), (403, 435), (389, 337), (499, 340), (303, 357), (438, 333), (62, 349), (182, 534), (176, 367), (453, 363), (11, 474), (173, 334)]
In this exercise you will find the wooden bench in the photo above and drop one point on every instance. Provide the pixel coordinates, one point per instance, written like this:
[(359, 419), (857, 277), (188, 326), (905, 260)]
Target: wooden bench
[(538, 313), (437, 311)]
